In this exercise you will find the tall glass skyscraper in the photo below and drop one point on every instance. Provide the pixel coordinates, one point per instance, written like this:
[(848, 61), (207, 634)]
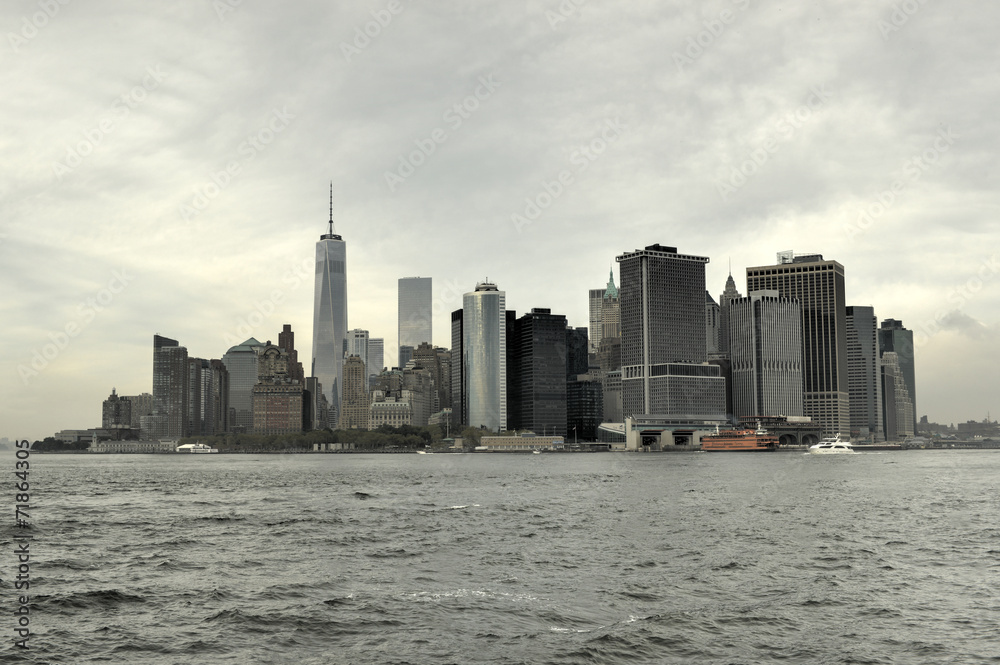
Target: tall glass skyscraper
[(484, 356), (241, 364), (330, 314), (415, 313)]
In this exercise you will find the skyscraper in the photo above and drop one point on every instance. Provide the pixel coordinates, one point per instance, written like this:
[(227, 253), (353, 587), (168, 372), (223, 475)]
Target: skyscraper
[(330, 314), (484, 351), (663, 337), (286, 340), (728, 296), (536, 353), (458, 411), (595, 300), (897, 407), (356, 395), (357, 345), (415, 313), (765, 350), (819, 287), (241, 363), (611, 313), (713, 331), (376, 358), (170, 388), (864, 374), (892, 336)]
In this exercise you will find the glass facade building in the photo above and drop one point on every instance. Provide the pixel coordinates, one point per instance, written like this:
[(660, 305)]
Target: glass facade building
[(330, 317), (241, 364), (864, 374), (484, 351), (415, 313)]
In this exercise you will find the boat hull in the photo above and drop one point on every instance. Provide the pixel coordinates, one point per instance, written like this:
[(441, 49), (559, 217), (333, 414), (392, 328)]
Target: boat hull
[(739, 441)]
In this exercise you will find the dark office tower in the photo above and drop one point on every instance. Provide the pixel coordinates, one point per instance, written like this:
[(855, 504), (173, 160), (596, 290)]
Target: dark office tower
[(539, 351), (198, 374), (765, 355), (241, 363), (458, 411), (892, 336), (819, 287), (727, 297), (584, 407), (170, 388), (286, 340), (595, 300), (864, 374), (712, 325), (218, 421), (414, 313), (330, 314), (664, 372), (577, 358), (405, 354)]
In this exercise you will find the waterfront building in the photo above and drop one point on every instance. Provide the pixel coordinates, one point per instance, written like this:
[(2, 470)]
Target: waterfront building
[(418, 390), (819, 287), (435, 361), (894, 337), (388, 411), (584, 407), (314, 410), (170, 388), (458, 405), (484, 357), (536, 363), (864, 374), (330, 315), (414, 314), (241, 364), (897, 407), (116, 415), (664, 368), (765, 355), (356, 398), (217, 403)]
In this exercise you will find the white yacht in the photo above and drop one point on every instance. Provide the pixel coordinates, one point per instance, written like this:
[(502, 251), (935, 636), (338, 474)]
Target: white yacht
[(196, 448), (832, 445)]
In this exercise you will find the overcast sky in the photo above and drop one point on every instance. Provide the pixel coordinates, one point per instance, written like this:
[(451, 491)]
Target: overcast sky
[(166, 169)]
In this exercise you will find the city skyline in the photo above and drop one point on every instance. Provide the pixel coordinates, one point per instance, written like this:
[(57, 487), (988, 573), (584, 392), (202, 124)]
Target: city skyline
[(180, 188)]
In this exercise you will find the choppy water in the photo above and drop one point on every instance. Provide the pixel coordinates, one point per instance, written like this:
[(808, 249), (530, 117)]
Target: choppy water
[(600, 558)]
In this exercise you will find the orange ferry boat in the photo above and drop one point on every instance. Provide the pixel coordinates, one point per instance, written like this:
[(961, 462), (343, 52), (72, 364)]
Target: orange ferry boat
[(739, 440)]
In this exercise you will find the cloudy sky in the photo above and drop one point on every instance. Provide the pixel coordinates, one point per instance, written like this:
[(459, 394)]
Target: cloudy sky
[(166, 169)]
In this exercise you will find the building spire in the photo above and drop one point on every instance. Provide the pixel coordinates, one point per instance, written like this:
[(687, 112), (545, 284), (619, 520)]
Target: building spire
[(331, 207)]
